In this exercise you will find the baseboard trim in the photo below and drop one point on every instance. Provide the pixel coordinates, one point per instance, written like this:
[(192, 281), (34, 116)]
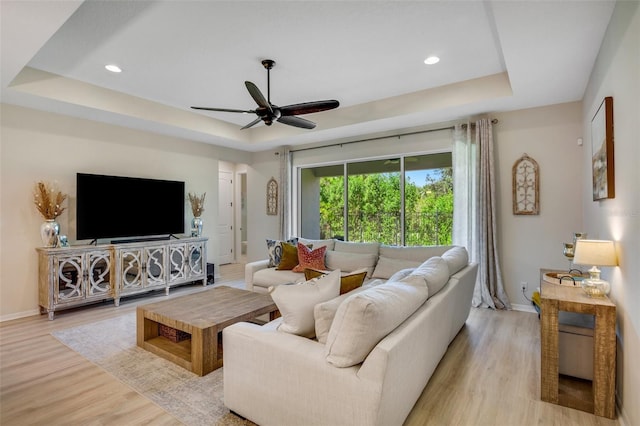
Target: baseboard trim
[(622, 415), (19, 315), (523, 308)]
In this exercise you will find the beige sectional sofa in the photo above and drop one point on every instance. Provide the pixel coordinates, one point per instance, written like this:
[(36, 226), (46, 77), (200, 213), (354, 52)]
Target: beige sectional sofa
[(375, 347), (381, 262)]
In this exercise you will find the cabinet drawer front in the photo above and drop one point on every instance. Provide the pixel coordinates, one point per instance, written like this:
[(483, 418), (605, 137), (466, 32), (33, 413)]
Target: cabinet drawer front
[(98, 274), (155, 266), (196, 265), (130, 265), (177, 262), (68, 280)]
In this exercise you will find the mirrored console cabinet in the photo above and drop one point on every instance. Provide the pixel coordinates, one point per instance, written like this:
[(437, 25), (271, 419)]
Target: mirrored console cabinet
[(80, 275)]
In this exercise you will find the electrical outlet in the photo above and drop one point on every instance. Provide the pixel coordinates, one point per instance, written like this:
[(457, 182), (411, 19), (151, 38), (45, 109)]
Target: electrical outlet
[(524, 285)]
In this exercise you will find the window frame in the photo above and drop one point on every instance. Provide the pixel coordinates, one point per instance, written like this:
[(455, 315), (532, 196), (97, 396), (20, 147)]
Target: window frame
[(296, 187)]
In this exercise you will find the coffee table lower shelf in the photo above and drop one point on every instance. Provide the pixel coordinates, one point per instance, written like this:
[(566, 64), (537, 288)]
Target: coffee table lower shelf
[(202, 316), (200, 354)]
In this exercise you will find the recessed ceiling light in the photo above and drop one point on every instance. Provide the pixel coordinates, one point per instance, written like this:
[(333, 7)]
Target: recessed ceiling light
[(113, 68), (432, 60)]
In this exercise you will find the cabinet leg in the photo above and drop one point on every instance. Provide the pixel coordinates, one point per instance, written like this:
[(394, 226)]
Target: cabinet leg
[(51, 315), (116, 302), (166, 291)]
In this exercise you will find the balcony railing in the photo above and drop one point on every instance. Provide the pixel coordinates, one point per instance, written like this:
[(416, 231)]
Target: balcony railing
[(428, 228)]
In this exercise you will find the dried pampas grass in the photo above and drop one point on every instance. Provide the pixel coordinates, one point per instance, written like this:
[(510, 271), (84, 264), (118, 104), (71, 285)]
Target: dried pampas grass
[(48, 200), (197, 204)]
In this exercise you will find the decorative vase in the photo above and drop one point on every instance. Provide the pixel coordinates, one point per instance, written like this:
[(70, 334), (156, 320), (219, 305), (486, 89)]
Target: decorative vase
[(196, 226), (49, 231)]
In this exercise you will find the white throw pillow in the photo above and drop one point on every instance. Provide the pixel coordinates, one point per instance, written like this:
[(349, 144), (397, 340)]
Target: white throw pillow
[(351, 261), (296, 302), (324, 312), (456, 258), (434, 273), (365, 318), (387, 266)]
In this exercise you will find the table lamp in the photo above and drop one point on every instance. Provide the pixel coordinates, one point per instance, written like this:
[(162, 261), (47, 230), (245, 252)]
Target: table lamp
[(596, 253)]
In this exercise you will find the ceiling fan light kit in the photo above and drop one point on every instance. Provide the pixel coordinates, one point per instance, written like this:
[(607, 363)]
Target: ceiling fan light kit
[(268, 112)]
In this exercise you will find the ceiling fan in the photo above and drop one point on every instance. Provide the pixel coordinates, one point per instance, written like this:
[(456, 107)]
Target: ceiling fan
[(268, 112)]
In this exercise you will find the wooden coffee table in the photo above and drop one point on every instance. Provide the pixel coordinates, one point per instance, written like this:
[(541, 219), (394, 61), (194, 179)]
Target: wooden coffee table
[(202, 315)]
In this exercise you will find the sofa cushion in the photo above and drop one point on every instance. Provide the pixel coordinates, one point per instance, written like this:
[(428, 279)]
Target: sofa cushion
[(365, 318), (271, 276), (274, 250), (353, 247), (456, 258), (289, 259), (414, 253), (308, 258), (401, 274), (351, 261), (317, 243), (434, 273), (296, 301), (348, 280), (324, 312), (387, 266)]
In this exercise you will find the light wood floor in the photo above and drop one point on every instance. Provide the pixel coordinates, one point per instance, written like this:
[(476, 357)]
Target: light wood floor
[(489, 376)]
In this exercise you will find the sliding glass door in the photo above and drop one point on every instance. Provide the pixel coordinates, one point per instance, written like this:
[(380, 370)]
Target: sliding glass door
[(428, 198), (374, 201), (405, 200)]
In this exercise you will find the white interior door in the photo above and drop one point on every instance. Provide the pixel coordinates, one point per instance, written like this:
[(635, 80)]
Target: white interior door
[(225, 218)]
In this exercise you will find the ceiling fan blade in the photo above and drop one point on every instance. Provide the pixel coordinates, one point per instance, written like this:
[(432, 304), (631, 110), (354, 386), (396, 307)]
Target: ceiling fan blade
[(309, 107), (253, 123), (297, 122), (224, 109), (257, 95)]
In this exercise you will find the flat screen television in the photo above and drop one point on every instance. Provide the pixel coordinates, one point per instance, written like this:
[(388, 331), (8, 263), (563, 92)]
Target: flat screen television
[(118, 207)]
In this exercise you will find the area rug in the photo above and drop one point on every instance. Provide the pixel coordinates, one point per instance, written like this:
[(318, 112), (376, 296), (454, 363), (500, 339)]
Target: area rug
[(111, 344)]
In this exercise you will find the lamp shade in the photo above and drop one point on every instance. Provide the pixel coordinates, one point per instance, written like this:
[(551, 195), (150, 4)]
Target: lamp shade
[(595, 252)]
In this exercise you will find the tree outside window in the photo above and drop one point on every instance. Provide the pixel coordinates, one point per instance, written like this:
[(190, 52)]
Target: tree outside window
[(375, 203)]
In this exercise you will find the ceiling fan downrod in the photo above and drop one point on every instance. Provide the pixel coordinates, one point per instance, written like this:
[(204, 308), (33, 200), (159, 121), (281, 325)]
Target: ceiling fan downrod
[(268, 64)]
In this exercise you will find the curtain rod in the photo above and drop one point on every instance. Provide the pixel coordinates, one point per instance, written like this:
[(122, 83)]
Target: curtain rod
[(493, 121)]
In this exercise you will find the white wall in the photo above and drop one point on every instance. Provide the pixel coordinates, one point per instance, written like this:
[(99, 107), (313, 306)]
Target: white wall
[(617, 74), (263, 166), (527, 243), (420, 143), (37, 146)]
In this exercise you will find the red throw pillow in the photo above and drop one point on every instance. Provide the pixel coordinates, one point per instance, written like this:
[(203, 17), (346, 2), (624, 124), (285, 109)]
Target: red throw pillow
[(308, 258)]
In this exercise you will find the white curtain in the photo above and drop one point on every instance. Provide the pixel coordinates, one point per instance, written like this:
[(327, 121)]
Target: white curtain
[(465, 190), (285, 193), (474, 221)]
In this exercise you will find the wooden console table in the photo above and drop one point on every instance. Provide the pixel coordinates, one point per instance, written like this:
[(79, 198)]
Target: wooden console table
[(556, 298)]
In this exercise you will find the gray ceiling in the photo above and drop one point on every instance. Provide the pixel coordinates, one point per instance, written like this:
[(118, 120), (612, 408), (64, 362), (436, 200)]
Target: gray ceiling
[(495, 56)]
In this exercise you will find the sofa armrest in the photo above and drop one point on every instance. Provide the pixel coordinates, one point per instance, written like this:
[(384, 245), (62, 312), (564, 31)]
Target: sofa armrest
[(250, 269)]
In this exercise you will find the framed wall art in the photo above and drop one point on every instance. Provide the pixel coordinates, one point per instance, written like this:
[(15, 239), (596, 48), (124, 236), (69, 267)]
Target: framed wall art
[(526, 186), (602, 167), (272, 197)]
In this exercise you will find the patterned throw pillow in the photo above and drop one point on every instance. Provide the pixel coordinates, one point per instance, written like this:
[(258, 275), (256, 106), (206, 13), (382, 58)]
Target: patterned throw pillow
[(274, 249), (307, 258)]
